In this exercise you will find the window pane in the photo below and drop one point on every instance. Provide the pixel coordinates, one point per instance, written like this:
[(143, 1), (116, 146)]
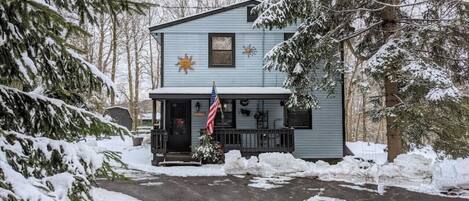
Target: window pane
[(299, 118), (227, 120), (222, 58), (221, 43)]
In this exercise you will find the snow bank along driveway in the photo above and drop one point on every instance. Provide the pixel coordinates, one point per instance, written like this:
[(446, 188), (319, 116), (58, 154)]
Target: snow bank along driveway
[(417, 171), (412, 171)]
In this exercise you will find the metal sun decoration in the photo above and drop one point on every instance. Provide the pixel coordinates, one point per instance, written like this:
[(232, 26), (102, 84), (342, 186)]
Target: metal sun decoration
[(249, 50), (185, 63)]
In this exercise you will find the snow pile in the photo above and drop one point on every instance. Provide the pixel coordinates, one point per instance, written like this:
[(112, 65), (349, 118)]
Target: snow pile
[(449, 174), (412, 171), (268, 164), (269, 182), (323, 198), (356, 187), (369, 151)]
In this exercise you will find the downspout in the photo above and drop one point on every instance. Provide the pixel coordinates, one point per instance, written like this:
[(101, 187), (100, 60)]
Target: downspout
[(263, 77), (263, 57)]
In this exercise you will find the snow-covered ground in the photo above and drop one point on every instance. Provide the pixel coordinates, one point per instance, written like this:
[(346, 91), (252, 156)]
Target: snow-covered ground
[(419, 170), (323, 198), (139, 158), (100, 194)]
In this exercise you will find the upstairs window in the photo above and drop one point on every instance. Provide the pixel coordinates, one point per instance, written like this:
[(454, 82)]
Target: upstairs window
[(298, 119), (250, 16), (221, 50), (287, 36)]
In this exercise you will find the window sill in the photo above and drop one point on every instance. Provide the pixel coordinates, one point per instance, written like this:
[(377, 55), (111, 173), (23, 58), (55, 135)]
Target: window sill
[(220, 66), (300, 128)]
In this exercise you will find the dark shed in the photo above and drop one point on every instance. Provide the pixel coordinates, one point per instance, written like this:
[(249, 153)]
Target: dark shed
[(121, 116)]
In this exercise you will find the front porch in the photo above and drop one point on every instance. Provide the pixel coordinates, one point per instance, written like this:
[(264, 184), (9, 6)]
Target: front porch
[(248, 141), (252, 122)]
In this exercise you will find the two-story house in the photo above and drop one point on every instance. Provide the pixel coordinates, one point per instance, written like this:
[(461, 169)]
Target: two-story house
[(222, 46)]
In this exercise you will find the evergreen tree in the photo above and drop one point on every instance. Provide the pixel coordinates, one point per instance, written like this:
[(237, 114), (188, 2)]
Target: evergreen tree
[(417, 49), (43, 111)]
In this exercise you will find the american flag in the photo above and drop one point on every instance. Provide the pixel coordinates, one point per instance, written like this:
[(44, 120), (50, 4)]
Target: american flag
[(212, 112)]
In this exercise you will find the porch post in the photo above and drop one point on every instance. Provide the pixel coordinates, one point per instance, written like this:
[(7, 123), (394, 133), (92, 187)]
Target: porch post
[(162, 114), (154, 114)]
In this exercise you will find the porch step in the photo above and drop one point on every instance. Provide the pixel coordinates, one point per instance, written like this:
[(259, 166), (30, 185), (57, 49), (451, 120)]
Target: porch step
[(181, 157), (180, 163)]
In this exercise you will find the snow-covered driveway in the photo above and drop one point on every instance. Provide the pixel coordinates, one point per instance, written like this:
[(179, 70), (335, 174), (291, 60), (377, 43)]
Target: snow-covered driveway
[(219, 188)]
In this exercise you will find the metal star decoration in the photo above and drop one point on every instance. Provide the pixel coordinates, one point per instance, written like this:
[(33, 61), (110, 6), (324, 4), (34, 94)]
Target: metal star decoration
[(249, 50), (185, 63)]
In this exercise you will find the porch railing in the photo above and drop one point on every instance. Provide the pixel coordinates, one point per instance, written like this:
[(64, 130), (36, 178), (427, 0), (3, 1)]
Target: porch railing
[(159, 141), (254, 141)]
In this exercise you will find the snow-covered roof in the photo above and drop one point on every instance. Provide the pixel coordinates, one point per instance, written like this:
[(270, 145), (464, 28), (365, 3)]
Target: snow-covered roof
[(116, 106), (223, 92), (149, 116)]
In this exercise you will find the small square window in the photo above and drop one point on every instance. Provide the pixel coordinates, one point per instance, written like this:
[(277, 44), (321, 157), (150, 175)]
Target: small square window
[(250, 16), (298, 118), (287, 36)]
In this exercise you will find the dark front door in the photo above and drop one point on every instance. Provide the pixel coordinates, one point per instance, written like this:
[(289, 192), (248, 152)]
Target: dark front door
[(179, 125)]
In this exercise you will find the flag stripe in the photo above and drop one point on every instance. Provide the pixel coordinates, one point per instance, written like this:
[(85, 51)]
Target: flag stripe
[(212, 113)]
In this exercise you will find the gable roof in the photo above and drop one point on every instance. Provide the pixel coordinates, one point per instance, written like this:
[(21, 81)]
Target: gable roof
[(204, 14)]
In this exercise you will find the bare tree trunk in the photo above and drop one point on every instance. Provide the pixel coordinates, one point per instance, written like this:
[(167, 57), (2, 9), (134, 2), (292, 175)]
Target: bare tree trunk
[(349, 100), (391, 89), (350, 118), (101, 43), (357, 127), (365, 137), (152, 70), (129, 71), (137, 82), (364, 116), (114, 54), (158, 67), (378, 134)]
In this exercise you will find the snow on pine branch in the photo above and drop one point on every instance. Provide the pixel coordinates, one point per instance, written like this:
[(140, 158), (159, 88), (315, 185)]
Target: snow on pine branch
[(36, 51), (36, 114), (416, 70), (93, 69), (42, 169)]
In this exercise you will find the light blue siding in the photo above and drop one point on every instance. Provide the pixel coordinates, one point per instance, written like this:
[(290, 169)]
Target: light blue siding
[(230, 21), (324, 140), (247, 72)]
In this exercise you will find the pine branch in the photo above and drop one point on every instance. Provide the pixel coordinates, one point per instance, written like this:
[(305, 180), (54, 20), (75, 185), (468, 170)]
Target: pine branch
[(38, 115), (399, 5)]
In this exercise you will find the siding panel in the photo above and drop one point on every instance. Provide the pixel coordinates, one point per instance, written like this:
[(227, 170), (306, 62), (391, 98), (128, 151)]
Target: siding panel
[(230, 21)]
